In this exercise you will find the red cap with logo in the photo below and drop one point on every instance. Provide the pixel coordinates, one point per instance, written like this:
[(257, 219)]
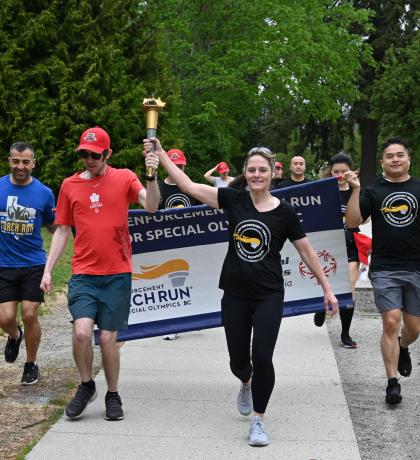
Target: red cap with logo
[(94, 139), (279, 164), (177, 156), (222, 167)]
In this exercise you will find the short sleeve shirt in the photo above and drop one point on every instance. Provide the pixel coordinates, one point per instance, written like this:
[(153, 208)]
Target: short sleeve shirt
[(394, 210), (252, 267), (23, 211), (98, 209), (173, 197)]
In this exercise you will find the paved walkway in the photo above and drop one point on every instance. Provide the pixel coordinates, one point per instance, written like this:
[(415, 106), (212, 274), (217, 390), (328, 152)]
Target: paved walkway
[(180, 403)]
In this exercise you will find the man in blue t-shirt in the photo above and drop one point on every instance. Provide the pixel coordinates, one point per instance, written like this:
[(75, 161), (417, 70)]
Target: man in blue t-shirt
[(25, 206)]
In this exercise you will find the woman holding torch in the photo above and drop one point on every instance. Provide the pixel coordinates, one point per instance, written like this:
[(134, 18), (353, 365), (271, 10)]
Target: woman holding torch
[(251, 277)]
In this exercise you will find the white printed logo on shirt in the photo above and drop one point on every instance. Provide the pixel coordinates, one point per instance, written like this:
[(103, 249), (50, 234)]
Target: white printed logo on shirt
[(252, 240), (399, 209), (18, 220), (95, 202)]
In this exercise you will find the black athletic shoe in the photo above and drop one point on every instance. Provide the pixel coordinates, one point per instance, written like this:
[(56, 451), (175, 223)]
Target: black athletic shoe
[(11, 350), (404, 361), (348, 342), (84, 395), (393, 393), (30, 374), (319, 318), (113, 407)]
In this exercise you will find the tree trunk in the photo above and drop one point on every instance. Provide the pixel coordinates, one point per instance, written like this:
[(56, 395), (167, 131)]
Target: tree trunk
[(369, 130)]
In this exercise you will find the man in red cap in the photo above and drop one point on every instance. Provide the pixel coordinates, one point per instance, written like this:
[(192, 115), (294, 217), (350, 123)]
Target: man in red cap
[(172, 197), (96, 203), (278, 175), (224, 179)]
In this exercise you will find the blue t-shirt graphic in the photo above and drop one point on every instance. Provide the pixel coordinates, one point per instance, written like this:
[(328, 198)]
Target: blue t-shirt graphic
[(23, 211)]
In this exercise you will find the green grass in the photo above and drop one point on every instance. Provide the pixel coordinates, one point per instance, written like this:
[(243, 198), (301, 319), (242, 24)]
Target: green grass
[(62, 270)]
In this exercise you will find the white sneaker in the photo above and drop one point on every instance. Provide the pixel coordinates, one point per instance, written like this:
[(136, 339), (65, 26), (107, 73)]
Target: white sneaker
[(257, 435), (170, 337), (244, 401)]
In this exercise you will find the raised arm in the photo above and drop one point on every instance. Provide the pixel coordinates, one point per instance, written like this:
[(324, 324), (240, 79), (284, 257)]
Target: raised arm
[(58, 245), (353, 215), (201, 192), (309, 256), (209, 175), (149, 198)]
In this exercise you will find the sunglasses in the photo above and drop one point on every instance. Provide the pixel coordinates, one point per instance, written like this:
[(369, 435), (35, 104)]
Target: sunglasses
[(279, 167), (86, 154)]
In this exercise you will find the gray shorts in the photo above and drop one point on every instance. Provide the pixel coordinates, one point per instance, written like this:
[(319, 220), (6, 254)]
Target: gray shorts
[(395, 290)]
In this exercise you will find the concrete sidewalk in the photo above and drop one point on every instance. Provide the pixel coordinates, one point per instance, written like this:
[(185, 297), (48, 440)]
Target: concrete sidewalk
[(179, 399)]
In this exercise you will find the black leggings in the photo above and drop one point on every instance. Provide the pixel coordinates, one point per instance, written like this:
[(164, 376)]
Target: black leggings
[(240, 316)]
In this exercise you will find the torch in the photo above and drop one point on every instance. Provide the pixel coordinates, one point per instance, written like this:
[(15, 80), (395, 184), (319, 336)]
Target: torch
[(152, 107)]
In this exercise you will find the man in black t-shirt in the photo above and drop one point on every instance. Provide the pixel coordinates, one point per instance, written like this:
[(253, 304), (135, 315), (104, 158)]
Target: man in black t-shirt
[(173, 197), (392, 202), (297, 173)]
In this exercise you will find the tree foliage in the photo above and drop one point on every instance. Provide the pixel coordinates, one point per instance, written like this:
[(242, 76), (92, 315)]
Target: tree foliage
[(70, 64)]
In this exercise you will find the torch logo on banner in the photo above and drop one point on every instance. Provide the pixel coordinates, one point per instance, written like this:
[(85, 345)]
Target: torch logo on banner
[(176, 269), (328, 264)]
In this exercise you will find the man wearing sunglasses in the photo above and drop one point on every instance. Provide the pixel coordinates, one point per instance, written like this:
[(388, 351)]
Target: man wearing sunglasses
[(96, 203), (278, 175)]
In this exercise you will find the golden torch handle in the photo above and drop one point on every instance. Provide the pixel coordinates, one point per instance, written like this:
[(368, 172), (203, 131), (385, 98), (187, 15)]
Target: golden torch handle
[(152, 107)]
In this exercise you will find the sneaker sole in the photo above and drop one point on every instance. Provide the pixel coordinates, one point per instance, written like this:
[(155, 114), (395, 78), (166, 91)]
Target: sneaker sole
[(350, 347), (114, 419), (260, 444), (25, 384), (74, 417)]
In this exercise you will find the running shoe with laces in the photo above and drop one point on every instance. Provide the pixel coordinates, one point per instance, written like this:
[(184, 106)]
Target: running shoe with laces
[(113, 407), (404, 361), (30, 374), (393, 392), (244, 400), (348, 342), (84, 395), (11, 350), (257, 435), (319, 318)]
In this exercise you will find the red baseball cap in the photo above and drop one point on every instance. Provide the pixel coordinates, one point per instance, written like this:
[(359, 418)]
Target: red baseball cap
[(177, 156), (94, 139), (279, 164), (222, 167)]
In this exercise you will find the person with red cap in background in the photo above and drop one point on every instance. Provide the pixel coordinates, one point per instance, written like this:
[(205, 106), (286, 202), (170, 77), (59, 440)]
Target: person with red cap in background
[(96, 203), (172, 197), (224, 179), (278, 175)]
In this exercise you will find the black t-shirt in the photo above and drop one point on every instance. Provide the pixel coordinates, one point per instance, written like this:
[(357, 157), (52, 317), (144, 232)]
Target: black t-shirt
[(276, 183), (288, 182), (394, 210), (172, 197), (252, 266)]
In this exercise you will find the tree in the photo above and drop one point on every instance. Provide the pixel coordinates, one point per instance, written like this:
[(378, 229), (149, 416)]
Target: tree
[(393, 25), (67, 65), (244, 65)]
